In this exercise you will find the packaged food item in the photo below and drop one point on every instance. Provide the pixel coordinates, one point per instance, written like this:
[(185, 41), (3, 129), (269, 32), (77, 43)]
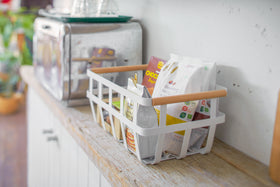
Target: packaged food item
[(151, 74), (181, 75), (106, 118), (146, 117), (203, 110)]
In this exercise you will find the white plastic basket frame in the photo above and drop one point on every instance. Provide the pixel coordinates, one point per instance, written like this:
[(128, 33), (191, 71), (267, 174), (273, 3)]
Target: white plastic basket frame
[(162, 129)]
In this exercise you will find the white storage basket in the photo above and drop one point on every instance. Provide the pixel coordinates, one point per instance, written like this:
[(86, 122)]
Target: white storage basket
[(96, 97)]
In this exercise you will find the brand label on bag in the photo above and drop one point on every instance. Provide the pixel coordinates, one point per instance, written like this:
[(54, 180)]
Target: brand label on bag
[(130, 140), (151, 75)]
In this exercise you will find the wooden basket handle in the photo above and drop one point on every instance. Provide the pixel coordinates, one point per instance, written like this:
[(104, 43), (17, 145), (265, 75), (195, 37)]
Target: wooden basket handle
[(167, 99), (119, 69), (188, 97)]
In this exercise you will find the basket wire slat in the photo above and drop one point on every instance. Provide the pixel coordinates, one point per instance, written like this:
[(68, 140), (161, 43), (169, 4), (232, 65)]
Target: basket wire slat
[(123, 126), (216, 117), (157, 130), (212, 127), (91, 102), (110, 114), (185, 143), (160, 141)]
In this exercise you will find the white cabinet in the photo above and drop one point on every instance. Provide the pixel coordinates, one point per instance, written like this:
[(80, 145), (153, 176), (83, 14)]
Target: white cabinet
[(54, 158), (82, 168)]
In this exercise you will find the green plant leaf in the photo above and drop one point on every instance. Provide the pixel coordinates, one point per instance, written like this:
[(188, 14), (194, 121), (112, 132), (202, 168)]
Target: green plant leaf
[(9, 23), (3, 22), (26, 56), (8, 30)]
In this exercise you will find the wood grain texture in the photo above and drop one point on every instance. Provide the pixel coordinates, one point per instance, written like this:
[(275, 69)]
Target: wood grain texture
[(188, 97), (242, 162), (13, 149), (222, 167), (275, 150)]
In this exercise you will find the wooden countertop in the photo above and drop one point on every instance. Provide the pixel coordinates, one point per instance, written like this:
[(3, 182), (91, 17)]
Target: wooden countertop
[(224, 166)]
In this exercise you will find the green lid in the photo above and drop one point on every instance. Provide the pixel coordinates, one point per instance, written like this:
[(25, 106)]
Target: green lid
[(68, 19)]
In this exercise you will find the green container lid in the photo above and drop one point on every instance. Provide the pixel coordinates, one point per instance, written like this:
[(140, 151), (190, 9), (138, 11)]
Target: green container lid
[(68, 19)]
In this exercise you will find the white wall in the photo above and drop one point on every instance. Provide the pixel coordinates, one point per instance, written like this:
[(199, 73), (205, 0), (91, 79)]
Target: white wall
[(243, 37)]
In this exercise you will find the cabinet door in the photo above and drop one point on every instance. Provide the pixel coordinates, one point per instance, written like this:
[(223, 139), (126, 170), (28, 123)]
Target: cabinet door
[(45, 131), (82, 168), (93, 175), (37, 146), (104, 182), (33, 131), (54, 142), (54, 157), (68, 159)]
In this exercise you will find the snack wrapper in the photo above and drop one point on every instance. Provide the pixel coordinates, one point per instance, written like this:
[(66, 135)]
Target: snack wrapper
[(146, 118), (181, 75), (151, 74)]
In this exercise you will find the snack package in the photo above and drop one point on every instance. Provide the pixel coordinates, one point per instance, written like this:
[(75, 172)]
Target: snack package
[(181, 75), (151, 74), (203, 110), (146, 118), (106, 118)]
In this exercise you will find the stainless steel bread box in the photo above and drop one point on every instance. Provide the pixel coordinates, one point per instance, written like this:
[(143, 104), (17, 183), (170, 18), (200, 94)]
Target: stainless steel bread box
[(64, 51)]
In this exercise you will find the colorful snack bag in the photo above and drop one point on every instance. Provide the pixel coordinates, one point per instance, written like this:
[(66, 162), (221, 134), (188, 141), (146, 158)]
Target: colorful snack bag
[(182, 75), (151, 74)]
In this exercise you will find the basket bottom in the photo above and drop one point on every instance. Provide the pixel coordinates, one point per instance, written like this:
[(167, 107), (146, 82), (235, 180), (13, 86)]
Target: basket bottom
[(169, 156)]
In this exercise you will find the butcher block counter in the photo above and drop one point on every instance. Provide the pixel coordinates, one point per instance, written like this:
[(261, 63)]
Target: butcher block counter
[(81, 153)]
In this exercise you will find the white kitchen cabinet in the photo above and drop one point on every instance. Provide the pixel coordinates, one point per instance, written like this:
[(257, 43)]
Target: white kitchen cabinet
[(72, 162), (54, 143), (37, 145), (54, 158), (93, 175), (104, 182), (82, 168), (68, 160)]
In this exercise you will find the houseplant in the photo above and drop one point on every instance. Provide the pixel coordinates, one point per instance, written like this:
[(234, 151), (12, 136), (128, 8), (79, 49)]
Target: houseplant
[(15, 28), (9, 101)]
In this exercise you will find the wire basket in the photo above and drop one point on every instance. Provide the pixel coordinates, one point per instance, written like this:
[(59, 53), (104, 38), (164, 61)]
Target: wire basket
[(101, 88)]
